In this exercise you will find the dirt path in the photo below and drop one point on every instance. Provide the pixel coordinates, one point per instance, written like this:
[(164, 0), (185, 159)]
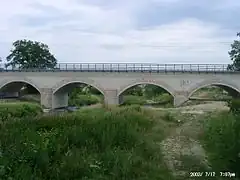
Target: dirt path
[(182, 150)]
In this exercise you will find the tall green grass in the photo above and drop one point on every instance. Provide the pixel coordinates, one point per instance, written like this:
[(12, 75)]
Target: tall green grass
[(91, 144), (10, 110), (222, 142)]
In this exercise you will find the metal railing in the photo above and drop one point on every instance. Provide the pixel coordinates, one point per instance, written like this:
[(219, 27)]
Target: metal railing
[(127, 67)]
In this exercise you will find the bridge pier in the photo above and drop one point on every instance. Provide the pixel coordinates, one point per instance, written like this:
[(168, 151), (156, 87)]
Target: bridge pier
[(59, 100), (111, 97), (46, 98)]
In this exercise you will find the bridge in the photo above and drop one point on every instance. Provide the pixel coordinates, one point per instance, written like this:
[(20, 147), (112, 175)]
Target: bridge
[(112, 80)]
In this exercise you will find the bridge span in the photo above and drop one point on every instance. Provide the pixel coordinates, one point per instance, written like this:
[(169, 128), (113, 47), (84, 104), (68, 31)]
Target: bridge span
[(180, 80)]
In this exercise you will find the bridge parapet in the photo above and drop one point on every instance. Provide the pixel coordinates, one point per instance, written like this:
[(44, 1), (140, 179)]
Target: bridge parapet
[(127, 67)]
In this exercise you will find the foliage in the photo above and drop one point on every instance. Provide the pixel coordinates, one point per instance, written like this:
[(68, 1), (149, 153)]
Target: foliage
[(131, 100), (222, 142), (91, 144), (153, 90), (30, 54), (83, 100), (234, 54), (234, 106), (18, 110), (135, 90), (164, 98)]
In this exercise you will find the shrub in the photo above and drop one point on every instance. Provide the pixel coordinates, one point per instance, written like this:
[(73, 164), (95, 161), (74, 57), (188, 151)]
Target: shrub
[(234, 105), (131, 100), (222, 141), (90, 144), (83, 100), (18, 110), (164, 98)]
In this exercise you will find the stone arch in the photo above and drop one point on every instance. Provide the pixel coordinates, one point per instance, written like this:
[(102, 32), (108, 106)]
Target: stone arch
[(65, 82), (210, 82), (24, 80), (158, 83)]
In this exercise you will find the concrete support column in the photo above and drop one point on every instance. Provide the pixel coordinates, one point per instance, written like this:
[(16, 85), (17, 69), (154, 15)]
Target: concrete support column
[(111, 97), (46, 98), (60, 100), (180, 98)]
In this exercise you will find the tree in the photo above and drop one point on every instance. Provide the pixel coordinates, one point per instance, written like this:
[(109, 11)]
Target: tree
[(30, 54), (234, 54)]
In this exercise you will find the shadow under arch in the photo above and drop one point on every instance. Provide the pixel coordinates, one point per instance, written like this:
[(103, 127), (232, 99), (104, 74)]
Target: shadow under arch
[(160, 84), (231, 88), (166, 87), (69, 82), (20, 83), (61, 90)]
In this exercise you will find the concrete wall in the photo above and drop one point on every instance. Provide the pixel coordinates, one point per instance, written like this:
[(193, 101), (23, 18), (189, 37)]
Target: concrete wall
[(54, 86)]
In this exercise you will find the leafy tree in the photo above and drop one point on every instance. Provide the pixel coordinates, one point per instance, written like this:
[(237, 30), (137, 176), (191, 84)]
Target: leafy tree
[(234, 54), (30, 54)]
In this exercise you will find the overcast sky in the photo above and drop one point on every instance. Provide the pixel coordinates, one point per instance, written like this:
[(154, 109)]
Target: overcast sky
[(151, 31)]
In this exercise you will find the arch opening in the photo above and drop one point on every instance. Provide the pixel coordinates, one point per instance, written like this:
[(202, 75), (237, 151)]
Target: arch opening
[(77, 94), (147, 94), (214, 92), (20, 91)]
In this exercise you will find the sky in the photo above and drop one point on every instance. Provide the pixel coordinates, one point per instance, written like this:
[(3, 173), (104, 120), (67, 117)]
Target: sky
[(124, 31)]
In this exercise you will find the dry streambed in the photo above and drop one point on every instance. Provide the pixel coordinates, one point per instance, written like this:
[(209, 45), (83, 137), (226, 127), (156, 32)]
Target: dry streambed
[(181, 149)]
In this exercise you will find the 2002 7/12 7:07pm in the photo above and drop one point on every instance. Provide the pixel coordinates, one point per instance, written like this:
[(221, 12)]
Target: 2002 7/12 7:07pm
[(211, 174)]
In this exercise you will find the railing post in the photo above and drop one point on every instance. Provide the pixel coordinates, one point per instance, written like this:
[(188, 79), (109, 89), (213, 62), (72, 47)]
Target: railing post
[(182, 67), (88, 67), (174, 68), (158, 68), (66, 67), (103, 68), (141, 68), (74, 67), (80, 67), (198, 68), (118, 67), (111, 67), (126, 67), (95, 67), (134, 70), (190, 68), (165, 68)]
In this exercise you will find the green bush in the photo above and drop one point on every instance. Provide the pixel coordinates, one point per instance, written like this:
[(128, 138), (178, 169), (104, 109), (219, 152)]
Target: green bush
[(83, 100), (18, 110), (131, 100), (234, 106), (90, 144), (164, 98), (222, 142)]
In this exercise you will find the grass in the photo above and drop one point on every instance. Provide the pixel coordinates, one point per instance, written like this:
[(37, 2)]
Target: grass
[(91, 144), (221, 141)]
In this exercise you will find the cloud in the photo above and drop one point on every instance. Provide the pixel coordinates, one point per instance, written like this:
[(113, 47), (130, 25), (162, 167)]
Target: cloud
[(120, 31)]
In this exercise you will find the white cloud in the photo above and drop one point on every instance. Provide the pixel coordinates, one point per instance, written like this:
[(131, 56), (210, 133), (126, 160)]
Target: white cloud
[(92, 33)]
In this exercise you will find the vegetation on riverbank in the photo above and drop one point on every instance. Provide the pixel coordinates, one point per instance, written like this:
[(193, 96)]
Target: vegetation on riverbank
[(90, 144)]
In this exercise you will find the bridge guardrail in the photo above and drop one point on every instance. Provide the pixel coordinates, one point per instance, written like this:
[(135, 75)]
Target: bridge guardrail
[(125, 67)]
